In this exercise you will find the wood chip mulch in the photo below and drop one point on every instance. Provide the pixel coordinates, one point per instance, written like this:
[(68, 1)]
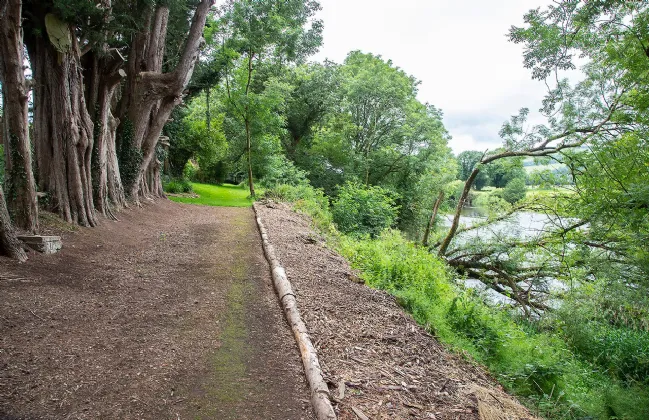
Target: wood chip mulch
[(378, 362)]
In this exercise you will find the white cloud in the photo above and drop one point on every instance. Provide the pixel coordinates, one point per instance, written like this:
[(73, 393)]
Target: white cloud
[(458, 49), (463, 142)]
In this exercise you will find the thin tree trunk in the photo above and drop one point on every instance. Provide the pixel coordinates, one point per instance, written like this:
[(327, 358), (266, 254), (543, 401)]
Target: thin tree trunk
[(248, 151), (458, 212), (9, 243), (208, 116), (21, 186), (251, 183), (433, 216)]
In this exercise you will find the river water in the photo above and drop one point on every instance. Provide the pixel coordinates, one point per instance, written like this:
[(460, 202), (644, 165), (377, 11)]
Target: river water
[(521, 225)]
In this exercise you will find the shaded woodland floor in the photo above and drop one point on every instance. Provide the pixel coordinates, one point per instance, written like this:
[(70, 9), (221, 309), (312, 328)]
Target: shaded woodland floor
[(167, 314)]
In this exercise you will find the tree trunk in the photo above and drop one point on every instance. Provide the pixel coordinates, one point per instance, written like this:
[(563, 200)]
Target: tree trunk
[(104, 78), (433, 216), (156, 94), (458, 212), (105, 145), (63, 130), (208, 115), (9, 244), (21, 186), (248, 151), (116, 192)]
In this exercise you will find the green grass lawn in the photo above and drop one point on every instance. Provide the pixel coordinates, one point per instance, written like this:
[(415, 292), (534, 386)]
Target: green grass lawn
[(549, 193), (225, 195)]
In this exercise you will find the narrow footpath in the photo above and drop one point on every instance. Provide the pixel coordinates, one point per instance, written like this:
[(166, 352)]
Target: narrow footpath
[(167, 314)]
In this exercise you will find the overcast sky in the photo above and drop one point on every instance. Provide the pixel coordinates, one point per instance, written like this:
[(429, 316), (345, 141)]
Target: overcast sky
[(457, 48)]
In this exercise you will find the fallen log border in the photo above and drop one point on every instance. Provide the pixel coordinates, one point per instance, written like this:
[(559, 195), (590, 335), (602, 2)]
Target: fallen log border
[(319, 390)]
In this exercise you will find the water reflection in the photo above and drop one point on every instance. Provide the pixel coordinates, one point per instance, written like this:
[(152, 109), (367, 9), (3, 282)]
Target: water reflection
[(521, 225)]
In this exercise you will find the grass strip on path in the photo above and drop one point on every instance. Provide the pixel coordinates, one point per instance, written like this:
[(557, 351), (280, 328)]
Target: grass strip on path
[(226, 195)]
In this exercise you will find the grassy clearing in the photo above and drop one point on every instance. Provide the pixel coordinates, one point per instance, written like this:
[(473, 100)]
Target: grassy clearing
[(225, 195)]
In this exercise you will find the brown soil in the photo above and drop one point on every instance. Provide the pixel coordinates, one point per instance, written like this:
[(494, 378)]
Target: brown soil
[(166, 314), (378, 361)]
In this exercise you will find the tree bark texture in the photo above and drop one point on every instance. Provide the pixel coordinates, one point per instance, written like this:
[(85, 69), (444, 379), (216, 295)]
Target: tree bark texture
[(104, 80), (63, 131), (20, 183), (155, 94), (249, 153), (9, 244)]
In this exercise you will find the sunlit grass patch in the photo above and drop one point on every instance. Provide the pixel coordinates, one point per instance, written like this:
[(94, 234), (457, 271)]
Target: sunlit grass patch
[(225, 195)]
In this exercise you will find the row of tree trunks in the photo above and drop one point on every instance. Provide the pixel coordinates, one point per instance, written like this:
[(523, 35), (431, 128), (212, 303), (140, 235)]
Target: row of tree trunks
[(21, 187), (74, 123), (63, 131)]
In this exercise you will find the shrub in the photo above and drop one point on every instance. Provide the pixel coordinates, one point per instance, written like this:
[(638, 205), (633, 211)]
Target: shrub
[(620, 350), (281, 171), (547, 373), (537, 366), (514, 191), (363, 210), (492, 203), (177, 186), (190, 170)]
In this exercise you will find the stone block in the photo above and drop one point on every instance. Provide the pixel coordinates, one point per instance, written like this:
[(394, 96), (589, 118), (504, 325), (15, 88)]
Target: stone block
[(44, 244)]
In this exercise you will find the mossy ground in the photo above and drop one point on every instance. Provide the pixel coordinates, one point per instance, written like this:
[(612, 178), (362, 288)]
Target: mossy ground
[(253, 363), (227, 390)]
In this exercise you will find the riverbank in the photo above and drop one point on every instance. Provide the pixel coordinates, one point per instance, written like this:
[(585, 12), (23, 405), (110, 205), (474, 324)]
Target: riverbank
[(378, 361), (540, 362)]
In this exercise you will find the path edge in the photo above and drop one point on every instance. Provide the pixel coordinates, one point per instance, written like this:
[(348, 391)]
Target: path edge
[(319, 390)]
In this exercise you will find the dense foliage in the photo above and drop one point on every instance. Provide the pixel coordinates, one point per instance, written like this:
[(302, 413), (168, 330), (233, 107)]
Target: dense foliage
[(363, 210), (568, 365)]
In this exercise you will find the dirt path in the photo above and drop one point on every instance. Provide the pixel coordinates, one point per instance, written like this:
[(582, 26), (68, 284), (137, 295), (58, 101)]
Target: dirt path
[(167, 314)]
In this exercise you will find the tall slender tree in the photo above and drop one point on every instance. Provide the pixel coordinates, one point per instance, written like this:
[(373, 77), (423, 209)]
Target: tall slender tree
[(273, 30)]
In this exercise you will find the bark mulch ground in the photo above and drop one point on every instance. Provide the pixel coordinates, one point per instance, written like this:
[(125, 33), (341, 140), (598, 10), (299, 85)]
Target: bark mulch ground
[(167, 314), (378, 361)]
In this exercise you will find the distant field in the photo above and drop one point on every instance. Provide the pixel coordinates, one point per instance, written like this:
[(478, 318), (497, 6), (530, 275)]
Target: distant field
[(225, 195), (552, 192)]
